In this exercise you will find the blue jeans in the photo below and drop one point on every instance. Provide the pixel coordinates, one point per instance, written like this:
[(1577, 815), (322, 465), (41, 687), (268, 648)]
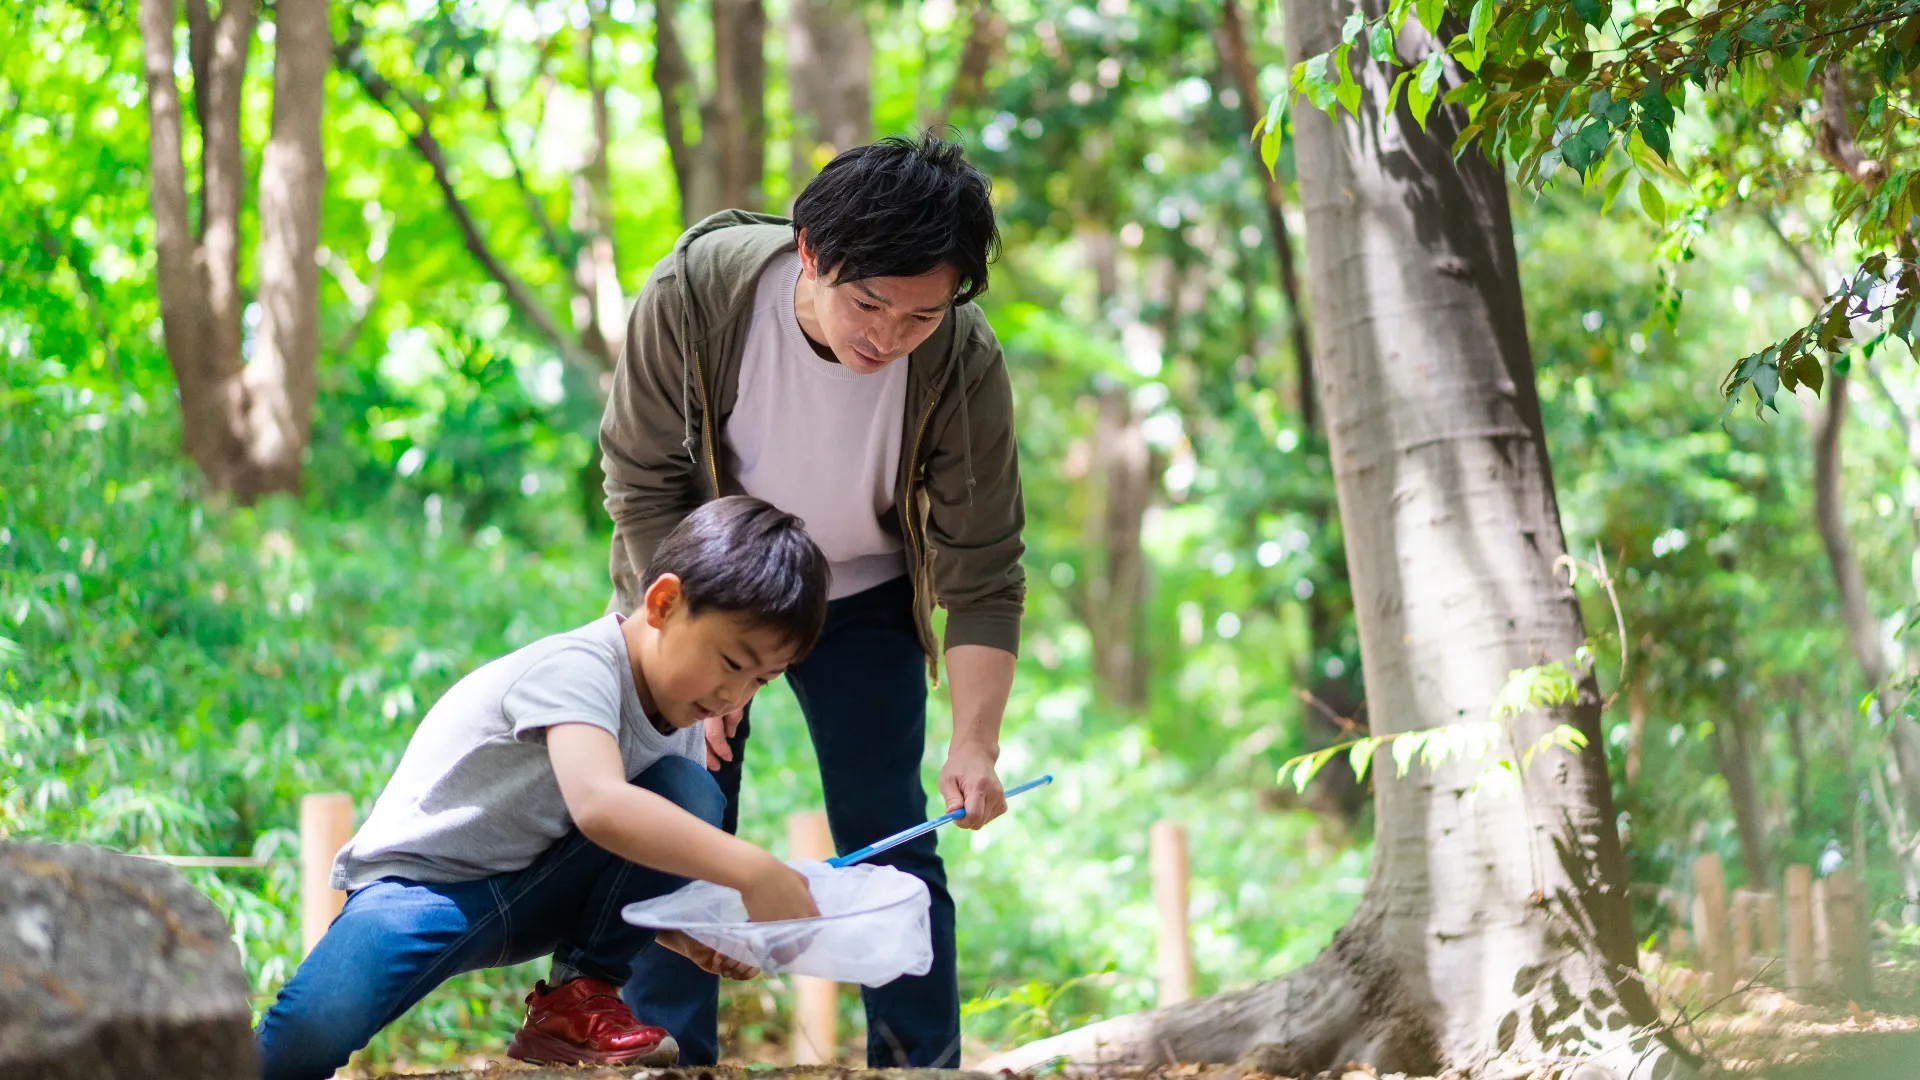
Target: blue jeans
[(399, 939), (864, 692)]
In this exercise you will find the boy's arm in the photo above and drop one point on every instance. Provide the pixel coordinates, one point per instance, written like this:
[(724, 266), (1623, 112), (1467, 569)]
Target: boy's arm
[(642, 827)]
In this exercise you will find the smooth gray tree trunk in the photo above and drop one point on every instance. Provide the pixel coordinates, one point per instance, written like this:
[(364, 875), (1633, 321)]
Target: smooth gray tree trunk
[(1494, 934)]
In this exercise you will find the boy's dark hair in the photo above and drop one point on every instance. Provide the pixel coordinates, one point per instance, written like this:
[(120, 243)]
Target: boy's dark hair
[(901, 208), (743, 556)]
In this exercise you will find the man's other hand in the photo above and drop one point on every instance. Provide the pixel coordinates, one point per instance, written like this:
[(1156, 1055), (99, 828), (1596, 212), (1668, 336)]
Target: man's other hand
[(719, 730)]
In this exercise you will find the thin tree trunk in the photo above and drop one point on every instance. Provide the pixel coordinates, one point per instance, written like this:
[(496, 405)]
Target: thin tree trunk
[(829, 82), (279, 378), (599, 303), (1121, 478), (724, 167), (1730, 746), (679, 98), (986, 34), (1494, 931), (1238, 61)]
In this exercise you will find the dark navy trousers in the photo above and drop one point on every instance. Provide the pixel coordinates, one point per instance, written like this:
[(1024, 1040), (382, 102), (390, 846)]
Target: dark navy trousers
[(864, 692)]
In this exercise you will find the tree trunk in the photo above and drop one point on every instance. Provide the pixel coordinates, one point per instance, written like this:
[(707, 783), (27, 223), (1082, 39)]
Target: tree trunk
[(1731, 747), (1494, 930), (1899, 795), (723, 168), (245, 424), (986, 34), (599, 303), (279, 379), (1121, 475), (829, 82)]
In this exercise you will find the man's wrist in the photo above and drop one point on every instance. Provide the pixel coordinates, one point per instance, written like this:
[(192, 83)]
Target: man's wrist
[(972, 747)]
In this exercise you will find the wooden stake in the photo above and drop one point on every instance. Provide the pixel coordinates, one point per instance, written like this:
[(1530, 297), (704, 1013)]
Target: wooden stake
[(1822, 933), (1741, 912), (1802, 970), (816, 1002), (1766, 921), (1167, 844), (1847, 933), (1713, 936), (326, 824)]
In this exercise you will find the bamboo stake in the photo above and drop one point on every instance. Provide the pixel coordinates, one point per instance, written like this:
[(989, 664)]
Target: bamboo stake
[(1802, 969), (1847, 933), (326, 824), (1167, 843), (816, 1002), (1715, 941)]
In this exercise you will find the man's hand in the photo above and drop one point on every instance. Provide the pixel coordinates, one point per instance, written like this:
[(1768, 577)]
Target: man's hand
[(968, 779), (719, 730), (708, 959)]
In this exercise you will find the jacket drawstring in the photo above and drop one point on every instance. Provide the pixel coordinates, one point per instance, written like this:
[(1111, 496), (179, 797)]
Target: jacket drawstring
[(686, 392)]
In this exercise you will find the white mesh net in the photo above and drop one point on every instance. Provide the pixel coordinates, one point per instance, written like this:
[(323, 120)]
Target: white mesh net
[(872, 927)]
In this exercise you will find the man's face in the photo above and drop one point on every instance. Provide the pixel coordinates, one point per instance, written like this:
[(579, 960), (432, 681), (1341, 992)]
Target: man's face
[(708, 664), (874, 321)]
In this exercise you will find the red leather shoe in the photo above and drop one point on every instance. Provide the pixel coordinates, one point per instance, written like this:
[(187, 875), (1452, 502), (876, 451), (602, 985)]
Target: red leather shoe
[(584, 1022)]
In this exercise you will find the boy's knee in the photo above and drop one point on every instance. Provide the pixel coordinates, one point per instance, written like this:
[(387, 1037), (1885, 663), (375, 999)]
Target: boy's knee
[(687, 784)]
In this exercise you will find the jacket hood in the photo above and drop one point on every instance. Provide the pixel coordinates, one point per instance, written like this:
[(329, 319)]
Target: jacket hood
[(720, 263)]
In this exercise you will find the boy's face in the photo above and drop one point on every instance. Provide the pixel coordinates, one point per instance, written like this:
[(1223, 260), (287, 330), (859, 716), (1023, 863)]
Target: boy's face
[(710, 664), (874, 321)]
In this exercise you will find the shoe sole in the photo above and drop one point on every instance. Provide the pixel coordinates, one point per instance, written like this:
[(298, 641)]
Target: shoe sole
[(536, 1048)]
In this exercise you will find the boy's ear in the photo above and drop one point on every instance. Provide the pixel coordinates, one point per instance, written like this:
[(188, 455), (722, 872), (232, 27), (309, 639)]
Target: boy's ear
[(663, 596)]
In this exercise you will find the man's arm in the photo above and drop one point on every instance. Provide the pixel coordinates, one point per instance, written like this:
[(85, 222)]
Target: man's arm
[(979, 678), (652, 481)]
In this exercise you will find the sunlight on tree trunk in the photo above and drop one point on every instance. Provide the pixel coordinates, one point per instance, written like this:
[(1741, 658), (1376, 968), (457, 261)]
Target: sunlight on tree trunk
[(1120, 483), (1494, 928), (245, 421), (723, 167)]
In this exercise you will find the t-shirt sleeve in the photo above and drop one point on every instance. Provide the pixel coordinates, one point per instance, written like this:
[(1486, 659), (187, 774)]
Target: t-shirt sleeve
[(572, 686)]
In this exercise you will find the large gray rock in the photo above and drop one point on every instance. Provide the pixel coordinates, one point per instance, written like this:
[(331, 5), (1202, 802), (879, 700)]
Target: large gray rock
[(112, 967)]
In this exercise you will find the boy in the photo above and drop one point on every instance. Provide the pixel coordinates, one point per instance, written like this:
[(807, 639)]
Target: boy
[(552, 787), (835, 366)]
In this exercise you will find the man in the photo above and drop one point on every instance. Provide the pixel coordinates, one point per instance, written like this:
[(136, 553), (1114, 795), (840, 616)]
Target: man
[(835, 367)]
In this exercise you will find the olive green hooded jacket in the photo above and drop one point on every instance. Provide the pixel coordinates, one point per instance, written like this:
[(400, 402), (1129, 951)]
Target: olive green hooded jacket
[(957, 504)]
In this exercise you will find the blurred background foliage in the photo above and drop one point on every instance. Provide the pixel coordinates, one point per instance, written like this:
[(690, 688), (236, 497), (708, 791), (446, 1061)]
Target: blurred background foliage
[(180, 669)]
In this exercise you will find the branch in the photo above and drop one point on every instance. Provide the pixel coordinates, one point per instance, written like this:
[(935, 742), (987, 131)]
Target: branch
[(1834, 137), (352, 58), (1830, 516)]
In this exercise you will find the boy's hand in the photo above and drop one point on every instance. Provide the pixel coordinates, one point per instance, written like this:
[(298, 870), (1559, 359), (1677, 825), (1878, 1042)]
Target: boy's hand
[(709, 959), (719, 729), (778, 893)]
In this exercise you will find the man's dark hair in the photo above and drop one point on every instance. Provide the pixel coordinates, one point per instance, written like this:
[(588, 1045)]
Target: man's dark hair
[(901, 207), (742, 556)]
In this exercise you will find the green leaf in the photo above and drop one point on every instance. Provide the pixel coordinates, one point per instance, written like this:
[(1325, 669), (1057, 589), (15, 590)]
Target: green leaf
[(1350, 30), (1380, 42), (1599, 102), (1304, 774), (1654, 104), (1655, 136), (1430, 12), (1478, 23), (1718, 48), (1361, 756), (1651, 203), (1753, 81), (1405, 747), (1346, 91), (1591, 12), (1766, 382), (1420, 95), (1612, 190)]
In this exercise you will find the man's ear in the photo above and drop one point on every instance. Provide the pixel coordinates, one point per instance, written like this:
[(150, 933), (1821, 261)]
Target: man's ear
[(808, 265), (663, 597)]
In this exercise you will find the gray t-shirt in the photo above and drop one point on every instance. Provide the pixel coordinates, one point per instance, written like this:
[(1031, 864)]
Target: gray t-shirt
[(475, 794)]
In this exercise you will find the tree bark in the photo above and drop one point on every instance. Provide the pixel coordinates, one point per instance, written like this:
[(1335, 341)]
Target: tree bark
[(986, 34), (1238, 61), (1731, 747), (279, 378), (599, 303), (829, 82), (722, 169), (243, 422), (1494, 932), (1121, 477)]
